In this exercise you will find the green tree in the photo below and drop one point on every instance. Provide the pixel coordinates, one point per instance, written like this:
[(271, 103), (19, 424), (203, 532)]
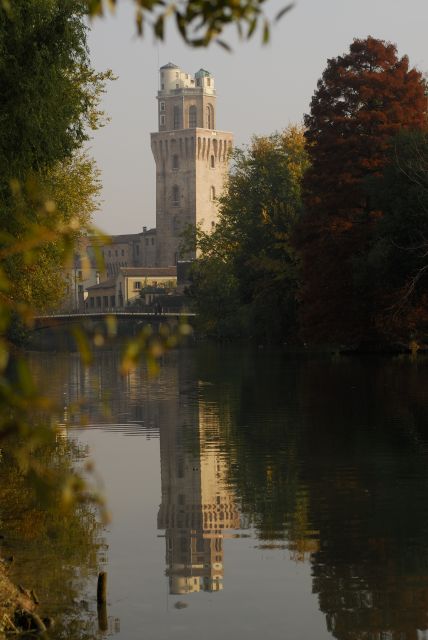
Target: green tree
[(49, 103), (199, 22), (394, 268), (49, 90), (247, 266), (48, 187), (61, 198), (362, 100)]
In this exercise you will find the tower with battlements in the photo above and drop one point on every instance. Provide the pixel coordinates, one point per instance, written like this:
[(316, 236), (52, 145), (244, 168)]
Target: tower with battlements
[(191, 158)]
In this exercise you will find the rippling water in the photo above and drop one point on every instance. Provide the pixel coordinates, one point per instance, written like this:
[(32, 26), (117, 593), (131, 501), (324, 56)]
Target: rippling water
[(260, 495)]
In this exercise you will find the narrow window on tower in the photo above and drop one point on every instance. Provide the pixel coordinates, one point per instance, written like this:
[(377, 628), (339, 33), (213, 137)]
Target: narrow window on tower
[(175, 162), (212, 193), (176, 117), (175, 196), (209, 117), (212, 162), (192, 117), (162, 120), (162, 106)]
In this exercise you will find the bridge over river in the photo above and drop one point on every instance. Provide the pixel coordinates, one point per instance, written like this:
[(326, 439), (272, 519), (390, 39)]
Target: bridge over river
[(57, 329), (73, 316)]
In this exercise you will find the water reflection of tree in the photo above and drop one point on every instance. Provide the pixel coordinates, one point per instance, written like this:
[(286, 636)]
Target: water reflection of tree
[(330, 456), (57, 547), (366, 466), (255, 397)]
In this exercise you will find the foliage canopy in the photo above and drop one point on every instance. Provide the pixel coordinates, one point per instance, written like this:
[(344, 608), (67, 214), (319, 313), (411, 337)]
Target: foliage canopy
[(244, 282), (198, 22), (394, 268), (48, 187)]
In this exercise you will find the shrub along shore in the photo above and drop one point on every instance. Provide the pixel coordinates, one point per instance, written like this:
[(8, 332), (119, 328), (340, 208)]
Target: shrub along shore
[(18, 607)]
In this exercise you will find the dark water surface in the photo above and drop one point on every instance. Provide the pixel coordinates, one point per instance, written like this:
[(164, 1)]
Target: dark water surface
[(253, 494)]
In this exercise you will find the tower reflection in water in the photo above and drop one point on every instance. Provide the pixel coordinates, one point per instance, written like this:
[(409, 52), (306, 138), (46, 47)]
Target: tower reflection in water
[(197, 507)]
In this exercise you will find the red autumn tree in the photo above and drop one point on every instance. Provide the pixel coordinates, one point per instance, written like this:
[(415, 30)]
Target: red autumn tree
[(362, 101)]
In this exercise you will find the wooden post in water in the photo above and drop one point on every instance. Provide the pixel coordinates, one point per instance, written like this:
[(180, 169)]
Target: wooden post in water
[(102, 587), (102, 601)]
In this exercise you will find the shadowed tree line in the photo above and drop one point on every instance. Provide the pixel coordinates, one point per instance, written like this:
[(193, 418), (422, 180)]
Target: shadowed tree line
[(322, 232)]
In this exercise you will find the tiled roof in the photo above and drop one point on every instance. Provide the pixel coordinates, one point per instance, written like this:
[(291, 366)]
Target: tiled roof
[(147, 272), (106, 284), (126, 237)]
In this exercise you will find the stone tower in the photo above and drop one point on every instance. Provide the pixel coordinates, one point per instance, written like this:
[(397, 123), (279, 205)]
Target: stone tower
[(191, 158)]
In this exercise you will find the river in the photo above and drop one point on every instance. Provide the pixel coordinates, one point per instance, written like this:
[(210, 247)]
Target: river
[(254, 494)]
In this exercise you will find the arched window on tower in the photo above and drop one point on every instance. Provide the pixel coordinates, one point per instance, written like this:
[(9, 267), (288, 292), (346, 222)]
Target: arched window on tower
[(176, 117), (212, 193), (212, 161), (175, 196), (209, 117), (192, 117)]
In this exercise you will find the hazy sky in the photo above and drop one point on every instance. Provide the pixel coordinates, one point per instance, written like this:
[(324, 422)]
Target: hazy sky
[(260, 89)]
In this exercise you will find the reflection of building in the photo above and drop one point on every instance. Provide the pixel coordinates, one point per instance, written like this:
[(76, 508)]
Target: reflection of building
[(197, 506)]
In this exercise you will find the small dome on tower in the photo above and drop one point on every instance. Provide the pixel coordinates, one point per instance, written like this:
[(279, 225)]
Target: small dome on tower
[(202, 73), (170, 65)]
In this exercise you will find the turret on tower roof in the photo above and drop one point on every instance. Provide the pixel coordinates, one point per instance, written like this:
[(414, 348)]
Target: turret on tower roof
[(203, 73), (170, 65)]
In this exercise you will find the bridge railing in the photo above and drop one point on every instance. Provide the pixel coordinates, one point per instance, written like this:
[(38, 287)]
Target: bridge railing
[(115, 311)]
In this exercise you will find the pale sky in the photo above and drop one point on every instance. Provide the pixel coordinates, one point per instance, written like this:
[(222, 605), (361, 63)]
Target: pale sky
[(260, 89)]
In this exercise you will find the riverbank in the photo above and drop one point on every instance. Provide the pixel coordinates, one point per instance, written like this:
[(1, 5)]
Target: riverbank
[(18, 608)]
